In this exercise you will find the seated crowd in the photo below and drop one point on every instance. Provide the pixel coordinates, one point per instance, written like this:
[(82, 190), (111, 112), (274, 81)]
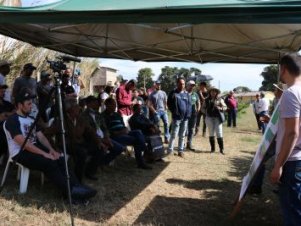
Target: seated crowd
[(95, 131)]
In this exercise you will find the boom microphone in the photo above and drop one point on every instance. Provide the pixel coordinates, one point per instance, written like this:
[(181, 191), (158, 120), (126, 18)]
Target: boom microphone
[(70, 58)]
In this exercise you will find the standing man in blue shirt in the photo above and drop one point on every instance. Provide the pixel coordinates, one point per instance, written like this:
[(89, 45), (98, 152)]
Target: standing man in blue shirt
[(179, 103)]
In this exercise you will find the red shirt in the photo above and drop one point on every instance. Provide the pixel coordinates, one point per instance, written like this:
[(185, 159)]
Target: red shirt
[(232, 102), (124, 100)]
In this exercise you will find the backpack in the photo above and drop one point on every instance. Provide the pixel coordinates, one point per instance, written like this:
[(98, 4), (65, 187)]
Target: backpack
[(156, 147)]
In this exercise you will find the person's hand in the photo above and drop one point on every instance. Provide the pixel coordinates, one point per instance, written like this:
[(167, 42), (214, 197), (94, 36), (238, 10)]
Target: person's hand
[(264, 118), (102, 146), (48, 156), (55, 154), (107, 141), (125, 131), (152, 130), (275, 175)]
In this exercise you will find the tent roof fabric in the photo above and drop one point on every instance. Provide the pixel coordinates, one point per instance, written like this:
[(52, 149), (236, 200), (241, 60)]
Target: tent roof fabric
[(157, 11), (256, 31)]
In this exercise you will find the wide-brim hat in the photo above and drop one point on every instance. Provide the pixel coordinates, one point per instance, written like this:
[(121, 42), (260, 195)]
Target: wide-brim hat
[(279, 86), (215, 89)]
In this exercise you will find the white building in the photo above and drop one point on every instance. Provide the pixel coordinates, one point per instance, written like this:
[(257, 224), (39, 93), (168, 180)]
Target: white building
[(101, 77)]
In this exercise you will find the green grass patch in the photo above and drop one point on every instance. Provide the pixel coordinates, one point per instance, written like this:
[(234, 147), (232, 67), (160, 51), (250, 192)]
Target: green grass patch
[(250, 139)]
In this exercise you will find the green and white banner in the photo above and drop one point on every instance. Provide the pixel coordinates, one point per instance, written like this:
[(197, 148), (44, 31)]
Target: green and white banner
[(266, 141)]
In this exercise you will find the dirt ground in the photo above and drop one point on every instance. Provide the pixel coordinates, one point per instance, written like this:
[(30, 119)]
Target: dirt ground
[(197, 190)]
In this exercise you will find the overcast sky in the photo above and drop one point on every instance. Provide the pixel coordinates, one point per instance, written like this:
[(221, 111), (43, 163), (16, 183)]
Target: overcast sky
[(228, 76)]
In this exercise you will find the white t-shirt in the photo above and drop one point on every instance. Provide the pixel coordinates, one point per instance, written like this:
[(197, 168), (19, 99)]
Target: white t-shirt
[(18, 125), (290, 107), (263, 105)]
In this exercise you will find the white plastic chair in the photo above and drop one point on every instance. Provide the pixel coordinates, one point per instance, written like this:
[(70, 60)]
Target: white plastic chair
[(23, 172)]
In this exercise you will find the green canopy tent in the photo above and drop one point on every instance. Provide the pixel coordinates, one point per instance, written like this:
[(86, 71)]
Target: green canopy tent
[(246, 31)]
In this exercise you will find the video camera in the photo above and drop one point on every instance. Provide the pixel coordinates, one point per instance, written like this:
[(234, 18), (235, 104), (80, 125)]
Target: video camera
[(58, 66)]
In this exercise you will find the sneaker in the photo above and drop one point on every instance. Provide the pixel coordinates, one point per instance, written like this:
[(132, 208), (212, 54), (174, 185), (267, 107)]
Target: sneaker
[(82, 192), (83, 202), (166, 140), (169, 152), (196, 131), (254, 191), (181, 154), (91, 177), (144, 166), (189, 147)]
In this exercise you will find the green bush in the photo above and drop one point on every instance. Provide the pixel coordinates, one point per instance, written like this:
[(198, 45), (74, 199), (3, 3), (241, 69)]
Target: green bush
[(241, 108)]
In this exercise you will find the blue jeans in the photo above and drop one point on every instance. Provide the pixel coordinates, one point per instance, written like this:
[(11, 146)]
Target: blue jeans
[(290, 193), (162, 115), (263, 124), (135, 138), (232, 113), (191, 126), (178, 127)]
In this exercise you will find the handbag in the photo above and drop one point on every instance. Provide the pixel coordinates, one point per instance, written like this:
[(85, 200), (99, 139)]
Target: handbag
[(221, 116), (156, 147)]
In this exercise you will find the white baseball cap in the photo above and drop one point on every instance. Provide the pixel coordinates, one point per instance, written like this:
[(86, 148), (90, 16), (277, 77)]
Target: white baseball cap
[(191, 82)]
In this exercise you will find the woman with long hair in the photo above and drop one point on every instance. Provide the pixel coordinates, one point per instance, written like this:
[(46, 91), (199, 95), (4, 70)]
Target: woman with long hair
[(214, 108)]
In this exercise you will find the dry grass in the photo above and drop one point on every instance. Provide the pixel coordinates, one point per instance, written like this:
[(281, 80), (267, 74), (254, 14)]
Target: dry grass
[(197, 190)]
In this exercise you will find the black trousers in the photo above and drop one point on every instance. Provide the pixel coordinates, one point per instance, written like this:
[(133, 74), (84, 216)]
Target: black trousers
[(258, 121), (198, 121), (88, 157), (54, 170)]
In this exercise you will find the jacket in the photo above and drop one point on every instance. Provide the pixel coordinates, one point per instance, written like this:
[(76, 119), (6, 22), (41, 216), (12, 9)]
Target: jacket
[(211, 107), (179, 103)]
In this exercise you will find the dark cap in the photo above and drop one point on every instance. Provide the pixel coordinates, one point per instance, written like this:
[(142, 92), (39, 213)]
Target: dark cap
[(29, 66), (45, 75), (24, 94), (4, 86), (90, 99), (133, 81), (65, 75), (158, 82)]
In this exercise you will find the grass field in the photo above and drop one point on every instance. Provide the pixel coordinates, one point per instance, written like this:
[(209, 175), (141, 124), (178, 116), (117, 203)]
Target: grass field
[(197, 190)]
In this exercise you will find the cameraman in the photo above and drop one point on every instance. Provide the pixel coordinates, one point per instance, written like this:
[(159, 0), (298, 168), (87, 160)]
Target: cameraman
[(67, 90)]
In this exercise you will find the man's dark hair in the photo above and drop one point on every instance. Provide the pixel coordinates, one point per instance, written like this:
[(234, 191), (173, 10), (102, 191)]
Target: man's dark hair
[(108, 89), (203, 84), (135, 107), (262, 95), (109, 100), (180, 78), (132, 81), (91, 99), (292, 63)]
